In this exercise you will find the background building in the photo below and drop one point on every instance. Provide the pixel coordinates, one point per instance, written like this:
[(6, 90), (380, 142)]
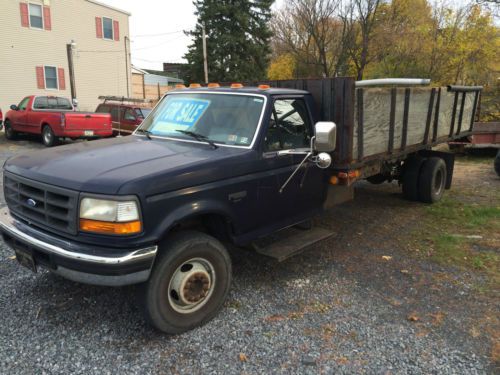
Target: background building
[(151, 84), (34, 50)]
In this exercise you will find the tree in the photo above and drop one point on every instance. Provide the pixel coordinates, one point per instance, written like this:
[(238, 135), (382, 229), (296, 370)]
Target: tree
[(360, 20), (238, 45), (312, 32), (283, 67), (403, 39)]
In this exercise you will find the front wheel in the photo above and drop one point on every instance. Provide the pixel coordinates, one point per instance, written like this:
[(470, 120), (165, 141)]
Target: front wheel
[(189, 282), (49, 139), (10, 133)]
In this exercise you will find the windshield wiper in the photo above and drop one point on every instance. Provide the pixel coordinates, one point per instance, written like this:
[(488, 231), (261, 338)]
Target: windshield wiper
[(198, 137), (147, 132)]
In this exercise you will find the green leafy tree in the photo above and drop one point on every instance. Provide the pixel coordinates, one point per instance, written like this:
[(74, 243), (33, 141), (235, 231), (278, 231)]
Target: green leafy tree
[(238, 37)]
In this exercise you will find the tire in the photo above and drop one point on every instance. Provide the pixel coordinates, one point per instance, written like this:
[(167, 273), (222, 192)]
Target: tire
[(432, 180), (410, 176), (497, 163), (10, 133), (49, 139), (193, 259)]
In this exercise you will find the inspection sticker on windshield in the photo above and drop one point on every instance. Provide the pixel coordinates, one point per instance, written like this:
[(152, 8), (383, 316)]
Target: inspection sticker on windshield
[(180, 113)]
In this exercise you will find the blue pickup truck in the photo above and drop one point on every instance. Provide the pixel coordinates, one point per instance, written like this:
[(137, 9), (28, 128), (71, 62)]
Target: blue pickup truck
[(211, 168)]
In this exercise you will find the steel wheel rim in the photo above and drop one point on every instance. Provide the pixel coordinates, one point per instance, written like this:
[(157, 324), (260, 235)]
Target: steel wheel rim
[(191, 285), (47, 136)]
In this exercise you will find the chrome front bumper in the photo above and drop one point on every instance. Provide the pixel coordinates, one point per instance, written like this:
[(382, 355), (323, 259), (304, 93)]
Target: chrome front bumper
[(66, 260)]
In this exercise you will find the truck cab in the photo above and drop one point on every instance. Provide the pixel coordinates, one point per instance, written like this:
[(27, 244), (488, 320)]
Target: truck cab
[(207, 167)]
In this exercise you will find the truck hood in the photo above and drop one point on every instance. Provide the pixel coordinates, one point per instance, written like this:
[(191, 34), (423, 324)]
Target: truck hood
[(131, 165)]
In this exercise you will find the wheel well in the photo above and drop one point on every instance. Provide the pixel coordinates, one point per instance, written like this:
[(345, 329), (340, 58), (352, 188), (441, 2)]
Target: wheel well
[(215, 225)]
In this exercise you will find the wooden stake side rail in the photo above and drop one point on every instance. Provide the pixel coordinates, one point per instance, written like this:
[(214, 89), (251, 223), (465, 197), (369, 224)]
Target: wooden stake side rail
[(386, 123)]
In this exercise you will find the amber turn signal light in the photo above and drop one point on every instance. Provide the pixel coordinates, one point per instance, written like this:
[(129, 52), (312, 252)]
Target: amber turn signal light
[(105, 227), (334, 180)]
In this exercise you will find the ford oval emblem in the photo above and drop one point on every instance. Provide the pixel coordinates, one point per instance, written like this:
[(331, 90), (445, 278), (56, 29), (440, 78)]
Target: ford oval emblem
[(31, 202)]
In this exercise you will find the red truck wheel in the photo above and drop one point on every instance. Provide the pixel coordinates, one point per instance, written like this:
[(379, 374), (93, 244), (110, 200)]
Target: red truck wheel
[(189, 282), (10, 133), (49, 139)]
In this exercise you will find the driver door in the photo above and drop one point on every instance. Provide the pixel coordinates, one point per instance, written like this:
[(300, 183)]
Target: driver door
[(290, 128), (19, 118)]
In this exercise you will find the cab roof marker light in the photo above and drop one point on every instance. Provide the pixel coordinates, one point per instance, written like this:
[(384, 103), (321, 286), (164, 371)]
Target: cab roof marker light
[(180, 86), (194, 86), (236, 85), (264, 87), (213, 85)]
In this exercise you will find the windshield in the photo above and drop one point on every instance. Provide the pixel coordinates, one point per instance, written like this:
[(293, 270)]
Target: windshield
[(222, 118)]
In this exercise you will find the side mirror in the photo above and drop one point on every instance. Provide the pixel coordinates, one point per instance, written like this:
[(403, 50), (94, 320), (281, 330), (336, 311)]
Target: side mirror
[(326, 136), (14, 107), (75, 102)]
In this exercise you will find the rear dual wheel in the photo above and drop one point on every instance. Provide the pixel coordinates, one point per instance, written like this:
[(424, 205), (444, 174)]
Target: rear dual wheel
[(424, 179), (189, 282)]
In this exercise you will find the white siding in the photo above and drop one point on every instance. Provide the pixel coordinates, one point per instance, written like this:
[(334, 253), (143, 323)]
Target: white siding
[(100, 72)]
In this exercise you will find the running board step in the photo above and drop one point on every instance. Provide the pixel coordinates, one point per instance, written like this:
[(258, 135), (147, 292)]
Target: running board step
[(289, 242)]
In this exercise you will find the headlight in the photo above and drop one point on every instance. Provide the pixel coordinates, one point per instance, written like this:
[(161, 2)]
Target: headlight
[(108, 216)]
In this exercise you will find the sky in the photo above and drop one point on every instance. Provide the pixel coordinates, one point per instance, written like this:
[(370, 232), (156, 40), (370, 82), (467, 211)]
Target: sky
[(156, 30)]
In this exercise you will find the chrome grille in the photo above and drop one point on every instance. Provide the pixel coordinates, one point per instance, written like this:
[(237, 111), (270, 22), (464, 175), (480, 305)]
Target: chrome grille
[(42, 204)]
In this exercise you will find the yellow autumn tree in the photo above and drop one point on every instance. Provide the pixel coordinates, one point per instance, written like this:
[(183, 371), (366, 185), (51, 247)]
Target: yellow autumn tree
[(282, 67)]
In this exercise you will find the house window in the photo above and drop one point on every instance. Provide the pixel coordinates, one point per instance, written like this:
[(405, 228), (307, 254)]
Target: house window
[(36, 16), (51, 77), (107, 28)]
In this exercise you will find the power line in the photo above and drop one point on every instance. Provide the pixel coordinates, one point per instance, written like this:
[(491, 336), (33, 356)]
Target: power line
[(156, 45), (158, 61), (160, 34), (96, 51)]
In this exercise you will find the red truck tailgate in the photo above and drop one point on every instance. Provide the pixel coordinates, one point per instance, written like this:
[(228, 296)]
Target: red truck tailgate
[(87, 121)]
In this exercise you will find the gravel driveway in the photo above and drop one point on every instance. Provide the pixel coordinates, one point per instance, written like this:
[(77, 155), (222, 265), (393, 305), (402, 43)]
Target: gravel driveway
[(355, 303)]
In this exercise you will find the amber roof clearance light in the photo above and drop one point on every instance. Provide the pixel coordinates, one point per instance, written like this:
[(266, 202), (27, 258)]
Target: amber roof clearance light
[(194, 86), (236, 86)]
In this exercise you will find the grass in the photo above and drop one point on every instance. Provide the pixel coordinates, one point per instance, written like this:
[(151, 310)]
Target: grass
[(476, 159), (463, 235), (458, 251), (457, 215)]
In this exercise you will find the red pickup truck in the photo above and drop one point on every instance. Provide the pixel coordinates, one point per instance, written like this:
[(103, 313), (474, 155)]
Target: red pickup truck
[(54, 118)]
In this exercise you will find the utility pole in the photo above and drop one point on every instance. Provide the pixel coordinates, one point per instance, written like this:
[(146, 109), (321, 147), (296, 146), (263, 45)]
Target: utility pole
[(205, 64), (127, 59), (71, 69)]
